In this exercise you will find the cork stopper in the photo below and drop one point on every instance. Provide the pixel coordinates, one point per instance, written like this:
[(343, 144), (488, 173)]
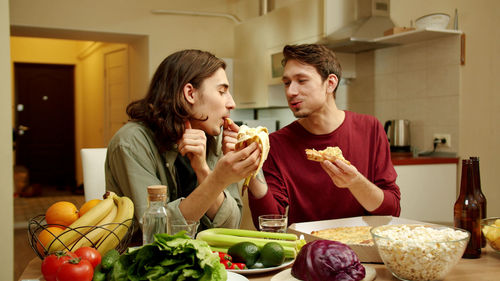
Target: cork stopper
[(157, 192)]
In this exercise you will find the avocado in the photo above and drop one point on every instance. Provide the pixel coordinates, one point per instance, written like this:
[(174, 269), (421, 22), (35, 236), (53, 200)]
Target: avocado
[(272, 254), (245, 252)]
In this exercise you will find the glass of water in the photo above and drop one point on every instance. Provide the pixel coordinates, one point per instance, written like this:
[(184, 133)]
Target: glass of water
[(191, 228), (273, 223)]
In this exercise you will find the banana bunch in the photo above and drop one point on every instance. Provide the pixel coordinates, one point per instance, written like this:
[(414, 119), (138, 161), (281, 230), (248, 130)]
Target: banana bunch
[(103, 226)]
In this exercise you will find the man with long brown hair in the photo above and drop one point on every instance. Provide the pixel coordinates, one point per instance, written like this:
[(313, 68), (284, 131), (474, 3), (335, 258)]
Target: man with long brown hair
[(171, 139), (363, 185)]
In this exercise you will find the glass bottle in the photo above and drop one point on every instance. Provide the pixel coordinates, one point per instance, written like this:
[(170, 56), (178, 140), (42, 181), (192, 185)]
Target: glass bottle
[(155, 219), (467, 211), (479, 194)]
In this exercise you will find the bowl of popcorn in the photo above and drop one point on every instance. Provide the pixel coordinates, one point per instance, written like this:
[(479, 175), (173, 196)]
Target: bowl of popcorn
[(491, 230), (420, 252)]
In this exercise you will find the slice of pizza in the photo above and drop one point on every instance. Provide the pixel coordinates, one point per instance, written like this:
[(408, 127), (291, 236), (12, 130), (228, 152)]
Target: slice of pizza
[(260, 135), (331, 153)]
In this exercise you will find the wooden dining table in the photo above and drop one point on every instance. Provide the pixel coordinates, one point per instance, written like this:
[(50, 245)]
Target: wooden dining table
[(485, 268)]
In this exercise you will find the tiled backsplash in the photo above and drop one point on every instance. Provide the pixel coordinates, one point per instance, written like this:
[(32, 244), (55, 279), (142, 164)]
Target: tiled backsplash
[(419, 82)]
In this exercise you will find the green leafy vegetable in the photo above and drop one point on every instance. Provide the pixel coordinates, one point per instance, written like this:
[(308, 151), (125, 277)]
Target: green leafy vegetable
[(169, 257)]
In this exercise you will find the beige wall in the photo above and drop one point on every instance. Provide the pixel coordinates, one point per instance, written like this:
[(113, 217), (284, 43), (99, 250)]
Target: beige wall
[(166, 33), (6, 178)]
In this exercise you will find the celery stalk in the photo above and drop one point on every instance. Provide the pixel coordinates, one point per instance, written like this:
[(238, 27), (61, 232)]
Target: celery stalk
[(219, 249), (221, 238), (254, 233)]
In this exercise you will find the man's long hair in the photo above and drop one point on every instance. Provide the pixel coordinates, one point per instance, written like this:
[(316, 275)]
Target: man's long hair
[(320, 57), (164, 108)]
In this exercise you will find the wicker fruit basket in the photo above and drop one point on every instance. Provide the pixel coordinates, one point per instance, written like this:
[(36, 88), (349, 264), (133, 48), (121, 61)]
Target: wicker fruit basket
[(38, 224)]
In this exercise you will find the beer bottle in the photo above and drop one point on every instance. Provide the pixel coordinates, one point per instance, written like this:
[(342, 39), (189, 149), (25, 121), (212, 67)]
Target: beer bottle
[(467, 211), (479, 194)]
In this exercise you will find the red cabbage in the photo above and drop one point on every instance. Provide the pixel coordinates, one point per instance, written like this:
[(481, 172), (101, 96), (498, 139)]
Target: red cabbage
[(323, 260)]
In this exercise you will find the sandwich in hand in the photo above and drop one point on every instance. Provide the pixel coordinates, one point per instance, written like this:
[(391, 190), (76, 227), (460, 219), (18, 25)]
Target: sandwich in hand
[(330, 153)]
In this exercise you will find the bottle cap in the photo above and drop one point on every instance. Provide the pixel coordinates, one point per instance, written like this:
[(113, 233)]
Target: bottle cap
[(157, 189), (157, 192)]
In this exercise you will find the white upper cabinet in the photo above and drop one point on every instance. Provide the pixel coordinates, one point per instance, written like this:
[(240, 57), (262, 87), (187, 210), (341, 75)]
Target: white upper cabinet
[(256, 40)]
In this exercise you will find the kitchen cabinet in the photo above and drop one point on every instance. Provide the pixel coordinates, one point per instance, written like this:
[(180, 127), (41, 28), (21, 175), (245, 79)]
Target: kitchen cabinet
[(428, 191), (257, 39)]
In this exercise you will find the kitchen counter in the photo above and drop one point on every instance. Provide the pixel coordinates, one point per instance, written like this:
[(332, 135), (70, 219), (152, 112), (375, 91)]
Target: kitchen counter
[(432, 180), (406, 158)]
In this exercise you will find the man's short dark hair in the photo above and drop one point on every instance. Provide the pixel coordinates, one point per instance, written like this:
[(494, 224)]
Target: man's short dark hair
[(320, 57)]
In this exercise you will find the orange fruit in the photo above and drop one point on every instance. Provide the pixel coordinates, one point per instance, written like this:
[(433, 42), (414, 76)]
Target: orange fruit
[(46, 236), (62, 212), (87, 206)]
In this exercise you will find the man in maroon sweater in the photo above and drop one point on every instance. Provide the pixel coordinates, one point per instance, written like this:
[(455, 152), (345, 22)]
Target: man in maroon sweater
[(323, 190)]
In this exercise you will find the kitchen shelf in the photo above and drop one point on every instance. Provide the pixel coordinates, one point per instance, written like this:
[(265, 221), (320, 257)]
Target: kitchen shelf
[(358, 45), (418, 35)]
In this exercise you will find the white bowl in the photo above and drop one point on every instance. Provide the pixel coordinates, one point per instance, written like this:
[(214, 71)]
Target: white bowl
[(437, 21)]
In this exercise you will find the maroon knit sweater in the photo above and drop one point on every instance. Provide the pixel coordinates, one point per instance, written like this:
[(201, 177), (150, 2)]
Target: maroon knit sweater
[(304, 186)]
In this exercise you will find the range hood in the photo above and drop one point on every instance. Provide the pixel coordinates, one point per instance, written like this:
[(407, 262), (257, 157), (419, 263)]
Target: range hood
[(365, 21)]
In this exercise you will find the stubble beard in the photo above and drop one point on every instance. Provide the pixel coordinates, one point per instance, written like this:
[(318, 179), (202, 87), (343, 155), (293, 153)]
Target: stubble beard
[(300, 114)]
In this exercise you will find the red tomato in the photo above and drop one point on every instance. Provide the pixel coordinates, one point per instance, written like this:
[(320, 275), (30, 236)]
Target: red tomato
[(75, 269), (90, 254), (52, 262), (238, 265), (227, 264), (224, 256)]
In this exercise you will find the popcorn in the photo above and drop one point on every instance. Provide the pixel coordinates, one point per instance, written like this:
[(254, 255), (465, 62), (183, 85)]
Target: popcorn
[(419, 252)]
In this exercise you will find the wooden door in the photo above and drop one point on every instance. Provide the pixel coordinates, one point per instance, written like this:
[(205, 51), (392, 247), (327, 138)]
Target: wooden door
[(117, 91), (44, 105)]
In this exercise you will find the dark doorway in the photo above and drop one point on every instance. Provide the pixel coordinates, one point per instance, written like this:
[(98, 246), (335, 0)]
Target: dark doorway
[(44, 135)]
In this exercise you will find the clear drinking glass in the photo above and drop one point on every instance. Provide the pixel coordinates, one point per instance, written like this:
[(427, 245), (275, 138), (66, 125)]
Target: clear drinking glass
[(191, 228), (273, 223)]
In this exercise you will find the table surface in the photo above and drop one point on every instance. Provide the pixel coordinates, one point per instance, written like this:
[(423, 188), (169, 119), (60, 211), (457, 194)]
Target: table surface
[(486, 268)]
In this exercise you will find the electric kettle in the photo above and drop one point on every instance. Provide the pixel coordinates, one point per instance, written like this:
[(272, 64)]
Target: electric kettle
[(398, 134)]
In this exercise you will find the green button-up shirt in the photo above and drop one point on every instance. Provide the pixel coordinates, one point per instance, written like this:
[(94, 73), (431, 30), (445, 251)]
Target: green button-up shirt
[(133, 163)]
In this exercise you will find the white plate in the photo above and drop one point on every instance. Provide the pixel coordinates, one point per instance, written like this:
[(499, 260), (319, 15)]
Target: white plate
[(261, 270), (286, 275), (231, 276)]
